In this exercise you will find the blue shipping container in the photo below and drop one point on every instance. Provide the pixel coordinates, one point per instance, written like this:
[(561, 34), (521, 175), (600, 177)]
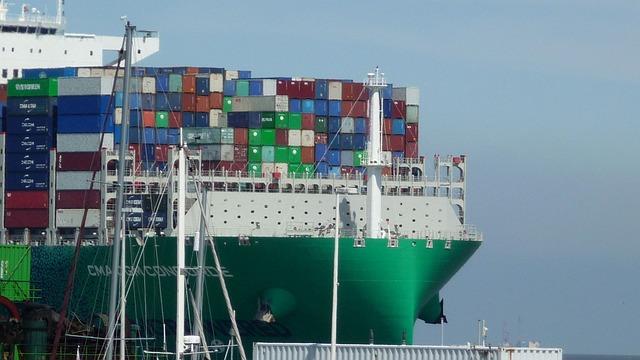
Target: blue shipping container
[(335, 107), (359, 142), (255, 87), (334, 171), (27, 180), (173, 136), (162, 102), (174, 100), (28, 143), (295, 106), (202, 85), (135, 118), (162, 83), (322, 89), (321, 152), (162, 136), (148, 102), (308, 106), (39, 124), (149, 136), (87, 123), (188, 119), (238, 119), (333, 157), (229, 88), (28, 162), (30, 105), (334, 124), (386, 107), (85, 104), (346, 141), (334, 141), (202, 119), (397, 127), (397, 154), (360, 126), (255, 120), (322, 168), (40, 73), (244, 74), (321, 107)]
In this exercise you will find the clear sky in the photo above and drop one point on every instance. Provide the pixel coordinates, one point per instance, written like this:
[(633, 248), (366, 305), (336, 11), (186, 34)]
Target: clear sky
[(544, 96)]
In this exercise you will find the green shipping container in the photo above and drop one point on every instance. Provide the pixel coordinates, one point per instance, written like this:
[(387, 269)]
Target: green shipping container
[(254, 168), (268, 120), (268, 154), (32, 87), (175, 83), (295, 121), (282, 154), (15, 272), (268, 137), (282, 120), (320, 124), (227, 104), (301, 170), (242, 88), (227, 136), (162, 119), (358, 158), (255, 137), (203, 136), (255, 154), (295, 155)]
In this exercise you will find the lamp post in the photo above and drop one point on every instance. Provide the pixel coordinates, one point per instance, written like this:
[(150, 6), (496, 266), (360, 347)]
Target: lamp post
[(336, 241)]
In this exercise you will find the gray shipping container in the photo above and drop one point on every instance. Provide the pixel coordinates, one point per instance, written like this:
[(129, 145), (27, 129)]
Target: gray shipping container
[(76, 180), (211, 152), (217, 118), (346, 157), (347, 125), (77, 86), (269, 87), (83, 142), (410, 95), (226, 152), (283, 351), (73, 218), (201, 135), (412, 114), (278, 103)]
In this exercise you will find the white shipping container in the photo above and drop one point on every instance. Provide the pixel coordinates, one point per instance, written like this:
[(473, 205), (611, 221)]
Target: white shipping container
[(112, 72), (307, 138), (412, 114), (117, 116), (295, 137), (84, 72), (216, 83), (278, 103), (346, 157), (410, 95), (148, 85), (83, 142), (97, 72), (347, 125), (335, 90), (231, 75), (73, 218), (217, 118), (76, 180), (269, 87), (268, 168), (282, 168), (78, 86)]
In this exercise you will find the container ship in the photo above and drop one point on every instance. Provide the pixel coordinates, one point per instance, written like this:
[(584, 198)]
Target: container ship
[(268, 155)]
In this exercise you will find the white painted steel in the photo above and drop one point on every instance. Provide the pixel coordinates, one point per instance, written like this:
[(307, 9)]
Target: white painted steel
[(295, 351), (180, 254), (334, 300), (374, 163)]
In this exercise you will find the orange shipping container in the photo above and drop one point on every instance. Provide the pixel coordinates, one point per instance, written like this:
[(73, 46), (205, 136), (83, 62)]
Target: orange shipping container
[(149, 118), (202, 103), (215, 100), (189, 84)]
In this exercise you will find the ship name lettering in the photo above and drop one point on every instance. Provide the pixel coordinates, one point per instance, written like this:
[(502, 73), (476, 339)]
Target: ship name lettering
[(27, 86)]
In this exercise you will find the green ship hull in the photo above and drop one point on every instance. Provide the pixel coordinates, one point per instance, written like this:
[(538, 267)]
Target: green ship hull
[(383, 290)]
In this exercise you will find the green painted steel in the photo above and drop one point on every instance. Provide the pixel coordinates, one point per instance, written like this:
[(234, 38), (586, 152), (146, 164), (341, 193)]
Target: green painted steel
[(282, 120), (382, 288), (255, 154), (295, 155), (162, 119), (242, 88), (320, 124), (227, 104), (255, 137), (15, 272), (281, 154), (32, 87), (268, 137), (295, 121), (175, 83), (267, 120)]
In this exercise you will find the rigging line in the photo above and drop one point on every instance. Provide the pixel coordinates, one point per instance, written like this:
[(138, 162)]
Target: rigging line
[(74, 262), (198, 320)]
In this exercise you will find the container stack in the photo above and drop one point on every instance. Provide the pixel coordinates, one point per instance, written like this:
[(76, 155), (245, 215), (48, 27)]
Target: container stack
[(85, 125), (30, 128)]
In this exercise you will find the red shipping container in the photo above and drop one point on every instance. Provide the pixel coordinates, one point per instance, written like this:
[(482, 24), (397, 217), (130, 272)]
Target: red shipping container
[(192, 70), (308, 154), (209, 164), (282, 137), (215, 100), (136, 149), (293, 89), (387, 124), (3, 93), (282, 87), (347, 170), (240, 153), (308, 121), (175, 119), (224, 165), (26, 200), (162, 153), (354, 108), (399, 109), (189, 102), (411, 150), (189, 84), (307, 89), (238, 166), (26, 218), (386, 142), (78, 199), (149, 118), (78, 161), (411, 133), (241, 136), (397, 143), (321, 138), (202, 104), (354, 91)]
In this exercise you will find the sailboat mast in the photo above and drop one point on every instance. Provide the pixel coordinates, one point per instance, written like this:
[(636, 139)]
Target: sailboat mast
[(180, 252), (117, 236)]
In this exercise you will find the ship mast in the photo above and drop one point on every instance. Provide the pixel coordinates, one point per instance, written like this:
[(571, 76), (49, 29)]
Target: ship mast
[(180, 252), (117, 236), (375, 162), (60, 13)]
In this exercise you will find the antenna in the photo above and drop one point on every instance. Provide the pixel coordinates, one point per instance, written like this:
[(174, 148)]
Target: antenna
[(60, 13)]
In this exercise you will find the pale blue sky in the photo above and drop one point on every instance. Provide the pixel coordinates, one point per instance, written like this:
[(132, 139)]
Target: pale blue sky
[(543, 95)]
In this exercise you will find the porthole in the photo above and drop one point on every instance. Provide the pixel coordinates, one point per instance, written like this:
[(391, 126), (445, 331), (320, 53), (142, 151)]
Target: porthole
[(266, 206), (279, 223), (279, 212), (225, 221), (306, 212), (361, 208), (252, 211), (266, 217), (239, 217), (225, 210)]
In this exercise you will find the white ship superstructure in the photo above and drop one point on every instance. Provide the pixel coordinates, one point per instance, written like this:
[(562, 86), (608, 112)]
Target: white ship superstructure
[(33, 40)]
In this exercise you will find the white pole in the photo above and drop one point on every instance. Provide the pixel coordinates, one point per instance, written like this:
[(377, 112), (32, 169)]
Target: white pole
[(375, 83), (123, 297), (180, 252), (441, 332), (334, 303)]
